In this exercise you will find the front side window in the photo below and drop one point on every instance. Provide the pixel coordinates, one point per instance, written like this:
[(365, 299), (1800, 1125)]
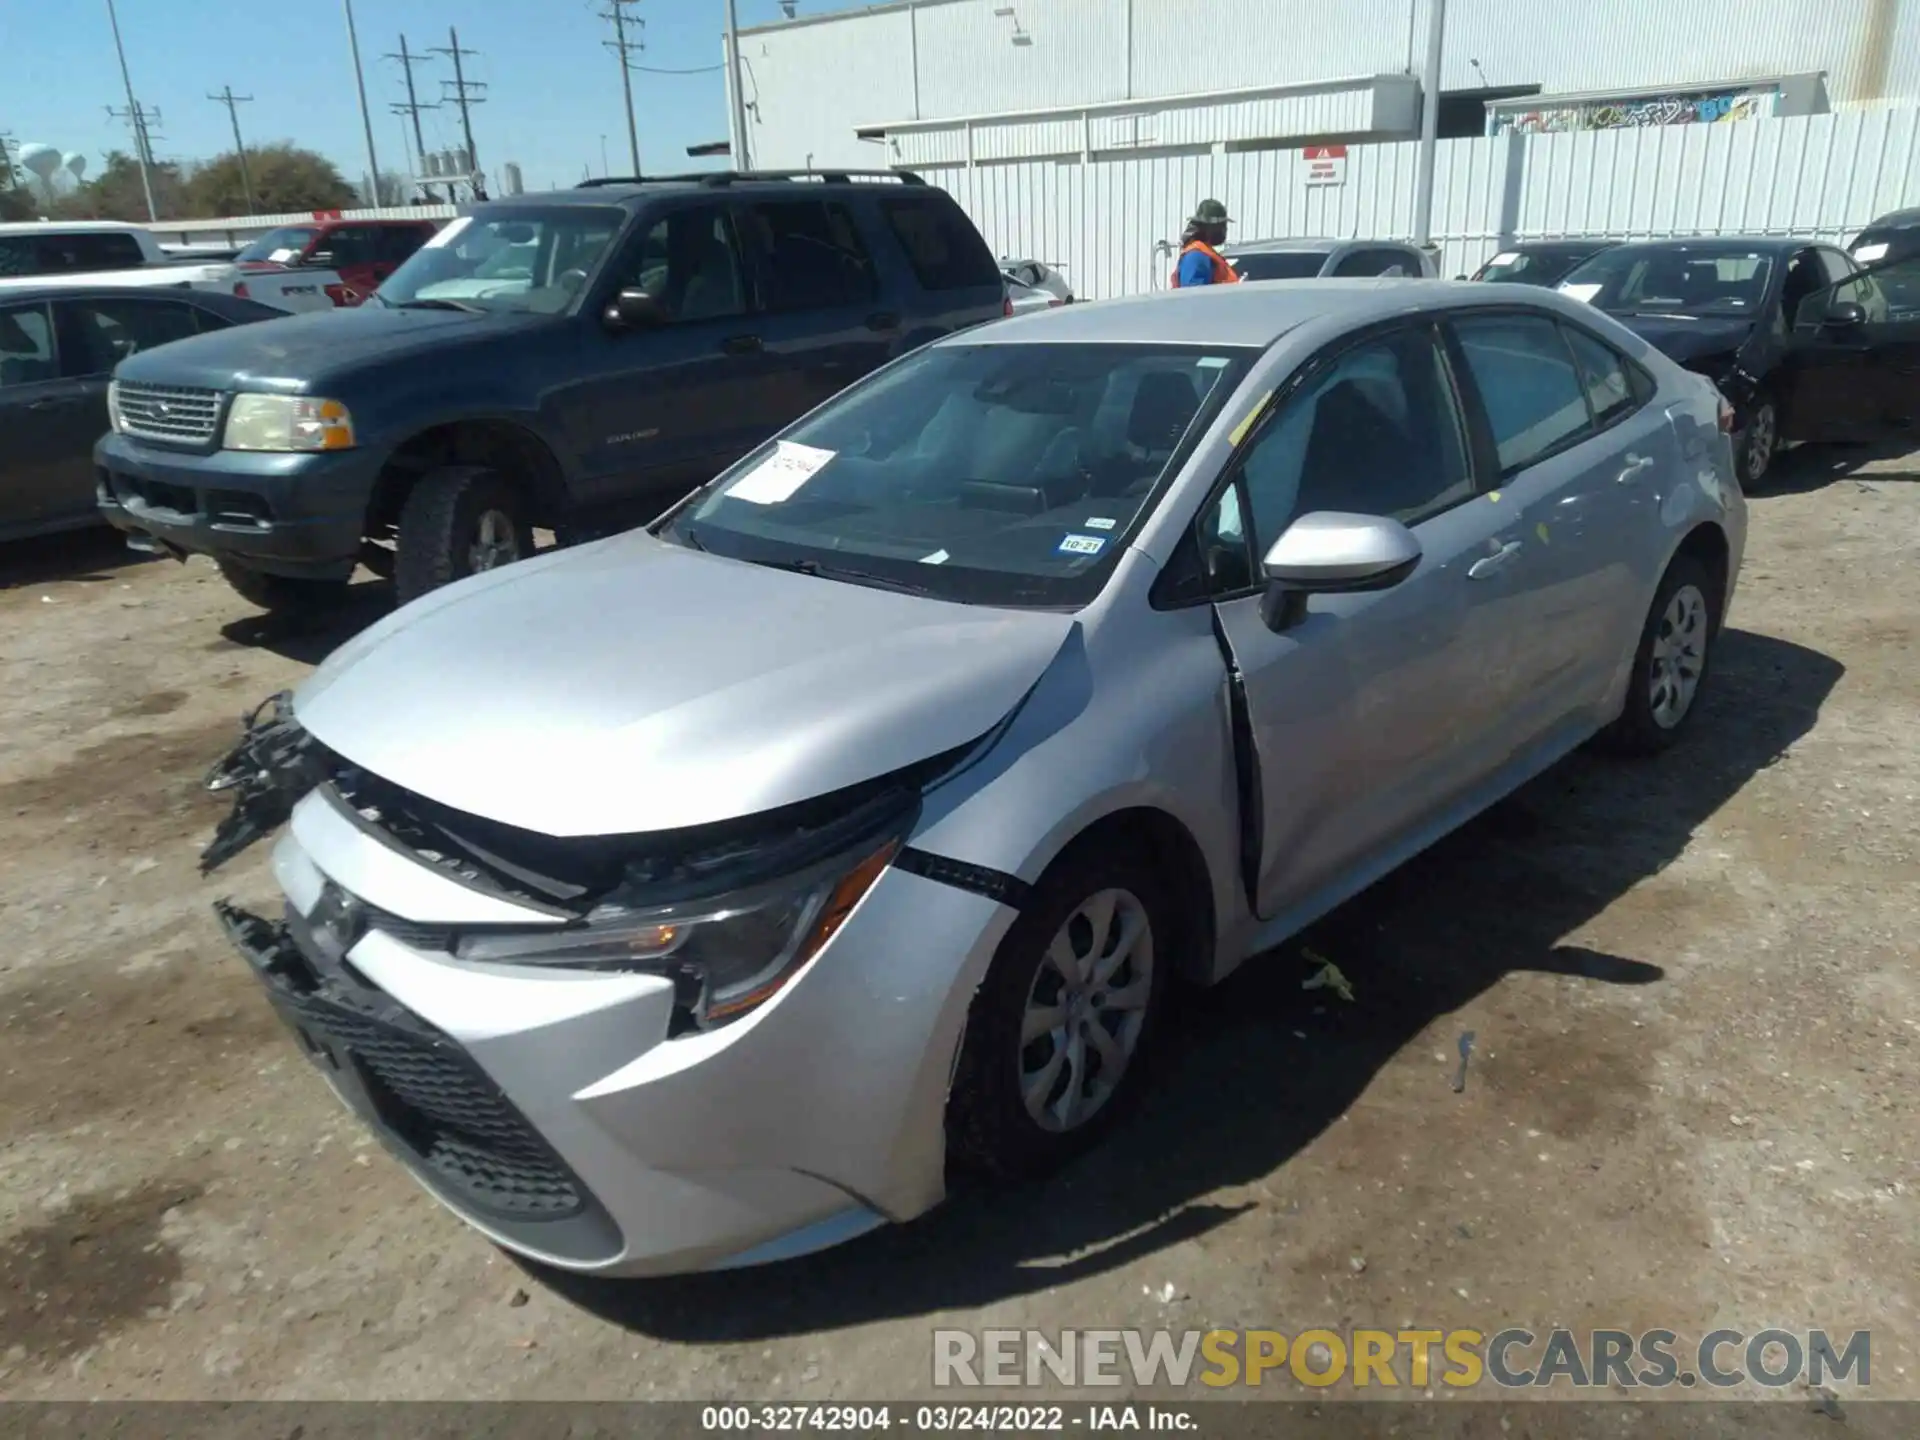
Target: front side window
[(1888, 291), (688, 262), (86, 250), (26, 346), (996, 474), (1375, 432), (808, 255), (350, 245), (1278, 264), (554, 253), (279, 247), (108, 331), (1534, 399), (1674, 279)]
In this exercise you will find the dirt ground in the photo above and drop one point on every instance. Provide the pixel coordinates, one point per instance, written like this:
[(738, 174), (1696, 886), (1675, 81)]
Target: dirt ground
[(1693, 984)]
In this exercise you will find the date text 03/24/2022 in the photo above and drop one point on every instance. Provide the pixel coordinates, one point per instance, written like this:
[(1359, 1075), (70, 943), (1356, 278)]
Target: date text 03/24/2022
[(1015, 1419)]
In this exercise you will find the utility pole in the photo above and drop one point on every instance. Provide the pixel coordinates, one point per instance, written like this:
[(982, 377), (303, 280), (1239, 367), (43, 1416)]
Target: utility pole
[(461, 85), (624, 48), (413, 107), (366, 119), (1429, 124), (143, 150), (741, 160), (227, 98)]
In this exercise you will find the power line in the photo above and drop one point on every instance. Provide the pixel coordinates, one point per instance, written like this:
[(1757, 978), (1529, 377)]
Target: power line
[(462, 99), (623, 48), (232, 101), (414, 105)]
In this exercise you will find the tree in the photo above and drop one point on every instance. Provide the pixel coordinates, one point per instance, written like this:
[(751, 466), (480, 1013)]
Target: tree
[(16, 204), (116, 193), (285, 178)]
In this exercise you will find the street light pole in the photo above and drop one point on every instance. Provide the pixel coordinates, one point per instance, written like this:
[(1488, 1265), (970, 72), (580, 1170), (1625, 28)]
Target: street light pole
[(366, 120), (141, 149), (1429, 124), (741, 159)]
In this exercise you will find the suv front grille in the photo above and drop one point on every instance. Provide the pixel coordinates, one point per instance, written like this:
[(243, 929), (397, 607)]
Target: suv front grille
[(183, 415)]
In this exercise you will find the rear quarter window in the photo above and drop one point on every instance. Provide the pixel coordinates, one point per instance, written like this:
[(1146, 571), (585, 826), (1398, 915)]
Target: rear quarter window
[(942, 246), (84, 251)]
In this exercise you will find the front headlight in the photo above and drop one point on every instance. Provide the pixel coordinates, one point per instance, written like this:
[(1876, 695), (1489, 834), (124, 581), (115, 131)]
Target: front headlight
[(287, 422), (728, 954), (113, 406)]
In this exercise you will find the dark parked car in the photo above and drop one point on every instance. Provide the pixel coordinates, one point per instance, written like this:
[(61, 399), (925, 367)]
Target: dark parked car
[(568, 361), (57, 349), (1892, 238), (1738, 311), (1538, 262)]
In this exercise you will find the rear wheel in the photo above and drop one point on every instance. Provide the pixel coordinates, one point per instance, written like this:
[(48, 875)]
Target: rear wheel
[(282, 594), (1670, 666), (1756, 445), (458, 521), (1059, 1029)]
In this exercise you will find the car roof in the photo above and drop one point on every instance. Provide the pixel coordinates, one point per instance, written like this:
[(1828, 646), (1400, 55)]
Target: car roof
[(618, 190), (1230, 315), (1304, 244), (1565, 242), (1771, 243), (213, 298), (1896, 220), (67, 227)]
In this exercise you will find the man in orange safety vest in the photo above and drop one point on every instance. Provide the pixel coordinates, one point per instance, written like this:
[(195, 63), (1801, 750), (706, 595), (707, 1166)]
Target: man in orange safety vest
[(1201, 262)]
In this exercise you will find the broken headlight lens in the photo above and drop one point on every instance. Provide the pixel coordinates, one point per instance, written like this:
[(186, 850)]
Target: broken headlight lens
[(733, 951)]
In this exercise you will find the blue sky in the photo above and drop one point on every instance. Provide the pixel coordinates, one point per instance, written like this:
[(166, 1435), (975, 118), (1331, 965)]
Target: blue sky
[(553, 91)]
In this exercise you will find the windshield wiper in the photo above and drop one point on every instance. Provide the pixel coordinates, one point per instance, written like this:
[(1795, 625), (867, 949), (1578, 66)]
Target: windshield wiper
[(852, 577), (437, 303)]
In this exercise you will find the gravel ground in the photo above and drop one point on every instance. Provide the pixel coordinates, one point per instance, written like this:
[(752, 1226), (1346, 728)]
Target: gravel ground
[(1693, 984)]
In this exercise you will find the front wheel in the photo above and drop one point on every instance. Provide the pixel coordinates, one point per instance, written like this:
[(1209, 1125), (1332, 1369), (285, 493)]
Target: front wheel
[(1058, 1030), (1756, 445), (458, 521), (1670, 666)]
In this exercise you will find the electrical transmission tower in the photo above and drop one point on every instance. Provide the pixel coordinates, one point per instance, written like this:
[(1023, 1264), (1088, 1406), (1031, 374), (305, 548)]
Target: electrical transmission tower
[(141, 120), (464, 94), (413, 106), (624, 50), (232, 101)]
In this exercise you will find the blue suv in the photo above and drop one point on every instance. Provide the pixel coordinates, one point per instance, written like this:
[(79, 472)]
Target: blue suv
[(574, 361)]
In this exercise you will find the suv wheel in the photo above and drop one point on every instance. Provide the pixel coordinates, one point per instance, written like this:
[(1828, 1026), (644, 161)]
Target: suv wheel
[(457, 522), (1058, 1030), (281, 594)]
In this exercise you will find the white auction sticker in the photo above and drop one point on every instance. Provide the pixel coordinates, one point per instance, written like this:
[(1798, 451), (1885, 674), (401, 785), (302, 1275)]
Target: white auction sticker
[(776, 478), (1580, 292), (1505, 257), (1867, 254), (449, 232)]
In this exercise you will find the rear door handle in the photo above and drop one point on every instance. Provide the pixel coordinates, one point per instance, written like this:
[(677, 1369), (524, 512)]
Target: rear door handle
[(741, 344), (1493, 564), (1635, 464), (884, 320)]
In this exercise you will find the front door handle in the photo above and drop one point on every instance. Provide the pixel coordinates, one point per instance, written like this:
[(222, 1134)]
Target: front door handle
[(1635, 464), (741, 345), (885, 320), (51, 402), (1493, 564)]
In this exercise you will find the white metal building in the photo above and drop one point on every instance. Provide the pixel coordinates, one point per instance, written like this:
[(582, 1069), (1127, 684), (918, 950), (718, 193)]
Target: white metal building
[(932, 82)]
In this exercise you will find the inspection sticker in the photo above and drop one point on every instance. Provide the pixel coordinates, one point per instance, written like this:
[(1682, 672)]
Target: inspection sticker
[(1100, 522), (776, 478), (1081, 545), (1505, 257), (1867, 254), (1581, 291)]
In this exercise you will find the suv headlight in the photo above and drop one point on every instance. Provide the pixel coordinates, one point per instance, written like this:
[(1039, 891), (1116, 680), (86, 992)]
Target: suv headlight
[(113, 406), (287, 422), (728, 954)]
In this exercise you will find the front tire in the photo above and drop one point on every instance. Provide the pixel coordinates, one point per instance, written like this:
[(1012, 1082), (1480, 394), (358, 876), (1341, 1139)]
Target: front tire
[(1757, 443), (1671, 663), (282, 594), (1059, 1029), (458, 521)]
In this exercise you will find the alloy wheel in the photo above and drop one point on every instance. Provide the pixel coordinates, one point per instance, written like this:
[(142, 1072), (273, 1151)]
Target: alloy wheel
[(1086, 1010), (496, 542), (1760, 441)]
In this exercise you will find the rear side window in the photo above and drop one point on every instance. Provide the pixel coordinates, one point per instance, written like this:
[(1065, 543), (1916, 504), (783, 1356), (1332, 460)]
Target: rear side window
[(809, 255), (1378, 262), (79, 252), (946, 252), (1607, 376), (1535, 400), (26, 346), (395, 243), (108, 331)]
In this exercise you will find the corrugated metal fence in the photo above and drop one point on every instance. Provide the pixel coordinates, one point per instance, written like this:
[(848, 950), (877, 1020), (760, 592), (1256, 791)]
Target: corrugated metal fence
[(1099, 220)]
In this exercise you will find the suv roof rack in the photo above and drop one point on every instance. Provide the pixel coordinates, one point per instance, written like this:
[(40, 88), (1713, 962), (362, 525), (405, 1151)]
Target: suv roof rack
[(718, 179)]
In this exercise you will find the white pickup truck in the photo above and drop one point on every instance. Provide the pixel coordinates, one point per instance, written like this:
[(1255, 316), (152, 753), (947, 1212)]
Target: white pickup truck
[(95, 252)]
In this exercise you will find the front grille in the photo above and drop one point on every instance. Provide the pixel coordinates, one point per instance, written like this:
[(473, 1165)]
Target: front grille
[(183, 415)]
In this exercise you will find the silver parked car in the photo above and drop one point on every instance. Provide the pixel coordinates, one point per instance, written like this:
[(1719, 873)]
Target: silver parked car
[(693, 897), (1305, 259)]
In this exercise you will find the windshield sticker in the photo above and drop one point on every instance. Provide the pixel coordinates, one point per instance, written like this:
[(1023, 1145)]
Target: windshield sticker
[(1240, 430), (1494, 496), (775, 478), (283, 254), (938, 557), (1080, 545), (1580, 292), (1505, 257), (1211, 362), (449, 232), (1867, 254), (1100, 522)]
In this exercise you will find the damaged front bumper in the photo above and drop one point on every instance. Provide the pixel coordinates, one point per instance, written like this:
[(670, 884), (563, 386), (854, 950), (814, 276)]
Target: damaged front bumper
[(275, 763)]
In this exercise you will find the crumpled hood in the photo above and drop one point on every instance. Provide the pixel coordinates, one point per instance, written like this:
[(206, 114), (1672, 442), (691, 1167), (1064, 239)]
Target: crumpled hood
[(1683, 340), (632, 686)]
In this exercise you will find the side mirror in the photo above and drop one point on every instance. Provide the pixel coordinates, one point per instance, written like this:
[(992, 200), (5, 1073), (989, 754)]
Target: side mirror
[(1844, 315), (1331, 553), (1459, 277), (633, 310)]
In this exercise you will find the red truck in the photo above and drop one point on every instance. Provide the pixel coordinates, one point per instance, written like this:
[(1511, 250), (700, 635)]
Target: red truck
[(327, 262)]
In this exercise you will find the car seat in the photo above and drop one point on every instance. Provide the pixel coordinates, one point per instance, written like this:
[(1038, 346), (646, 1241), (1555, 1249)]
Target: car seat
[(1164, 405), (1358, 456)]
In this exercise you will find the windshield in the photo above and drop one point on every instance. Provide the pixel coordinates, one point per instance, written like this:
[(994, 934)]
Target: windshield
[(1529, 267), (277, 247), (532, 261), (1674, 280), (995, 474), (1278, 264)]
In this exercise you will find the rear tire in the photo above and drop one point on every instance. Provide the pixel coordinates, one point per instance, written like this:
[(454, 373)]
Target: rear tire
[(1671, 663), (1022, 1106), (282, 594), (1757, 443), (458, 521)]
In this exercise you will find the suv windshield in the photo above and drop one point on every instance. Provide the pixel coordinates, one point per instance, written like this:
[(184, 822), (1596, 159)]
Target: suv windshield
[(1673, 280), (1278, 264), (995, 474), (534, 261), (277, 247)]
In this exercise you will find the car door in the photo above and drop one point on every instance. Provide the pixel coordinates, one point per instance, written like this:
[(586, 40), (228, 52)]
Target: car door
[(46, 465), (1379, 710), (1580, 460), (353, 252), (1852, 370), (662, 409), (823, 322)]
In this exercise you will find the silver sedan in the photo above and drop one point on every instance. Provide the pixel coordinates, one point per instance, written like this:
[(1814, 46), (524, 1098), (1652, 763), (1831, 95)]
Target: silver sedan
[(697, 897)]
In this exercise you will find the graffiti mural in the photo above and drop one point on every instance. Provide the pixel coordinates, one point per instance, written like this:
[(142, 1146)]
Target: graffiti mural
[(1635, 114)]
